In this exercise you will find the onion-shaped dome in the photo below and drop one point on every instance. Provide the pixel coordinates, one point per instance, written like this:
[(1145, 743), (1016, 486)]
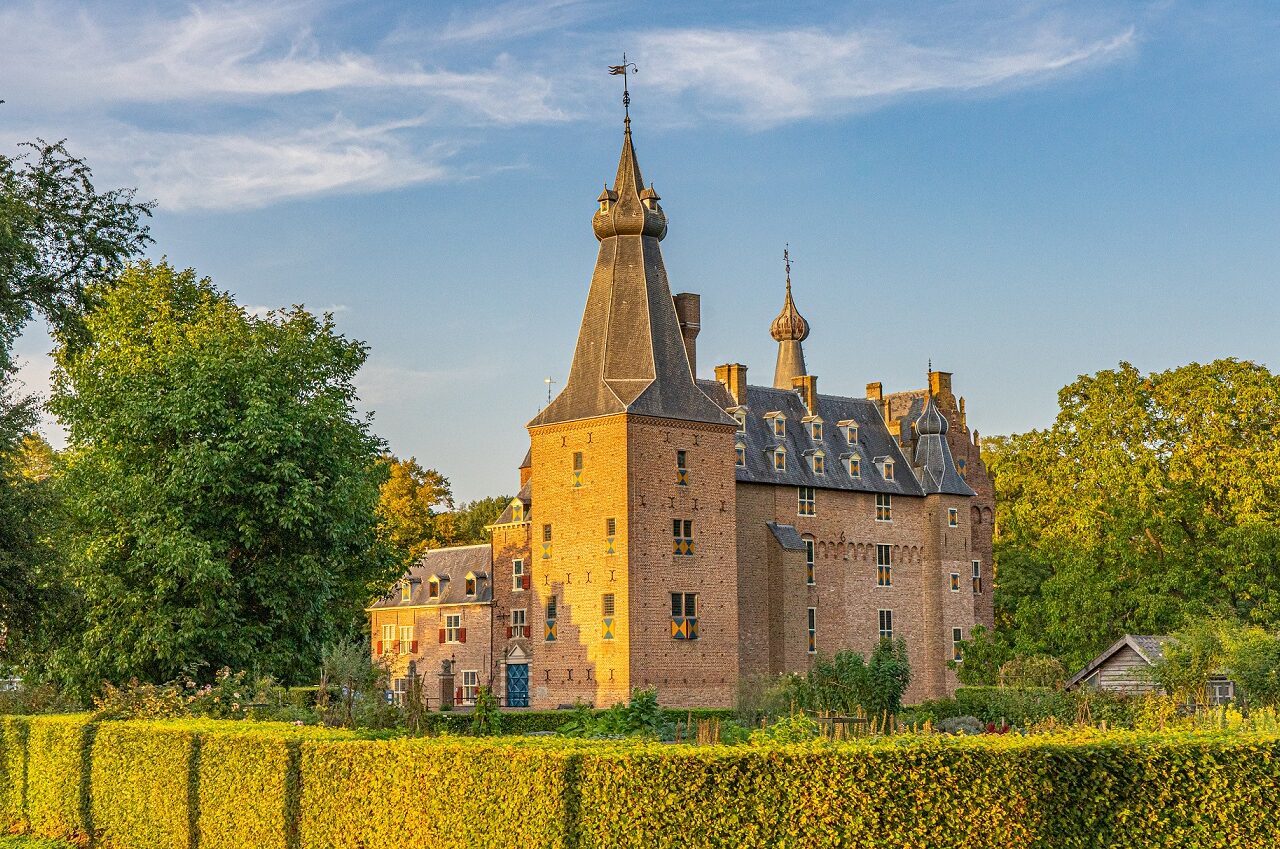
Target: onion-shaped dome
[(629, 209), (789, 326), (931, 420)]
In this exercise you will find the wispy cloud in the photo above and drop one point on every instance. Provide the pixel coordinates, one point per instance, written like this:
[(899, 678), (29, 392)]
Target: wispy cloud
[(765, 78), (228, 105)]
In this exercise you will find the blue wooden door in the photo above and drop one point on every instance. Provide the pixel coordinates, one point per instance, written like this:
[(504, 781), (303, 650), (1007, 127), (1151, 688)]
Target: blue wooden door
[(518, 685)]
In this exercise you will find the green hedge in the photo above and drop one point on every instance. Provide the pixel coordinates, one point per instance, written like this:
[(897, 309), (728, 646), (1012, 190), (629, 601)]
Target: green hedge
[(221, 784), (13, 773), (57, 791)]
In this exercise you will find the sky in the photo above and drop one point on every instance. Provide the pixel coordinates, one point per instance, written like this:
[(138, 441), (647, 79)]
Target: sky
[(1021, 192)]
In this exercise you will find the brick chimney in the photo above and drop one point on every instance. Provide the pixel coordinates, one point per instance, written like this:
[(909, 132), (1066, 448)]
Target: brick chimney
[(733, 377), (940, 382), (689, 315), (807, 386), (875, 391)]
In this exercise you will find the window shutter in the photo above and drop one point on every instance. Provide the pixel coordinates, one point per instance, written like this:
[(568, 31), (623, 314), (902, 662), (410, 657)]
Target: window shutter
[(524, 582), (442, 635), (413, 647), (457, 695), (462, 635), (379, 646), (508, 632)]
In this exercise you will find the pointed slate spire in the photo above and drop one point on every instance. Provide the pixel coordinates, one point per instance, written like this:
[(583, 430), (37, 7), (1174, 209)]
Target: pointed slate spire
[(630, 356), (931, 456), (789, 329)]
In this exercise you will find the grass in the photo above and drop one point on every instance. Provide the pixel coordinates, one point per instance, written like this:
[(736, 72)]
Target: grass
[(18, 842)]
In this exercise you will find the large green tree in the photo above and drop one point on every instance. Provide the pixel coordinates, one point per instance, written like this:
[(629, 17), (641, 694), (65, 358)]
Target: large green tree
[(58, 236), (409, 506), (219, 490), (1153, 499)]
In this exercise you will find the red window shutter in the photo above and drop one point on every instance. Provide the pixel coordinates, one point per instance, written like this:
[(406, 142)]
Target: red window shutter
[(462, 635), (508, 632), (524, 582), (442, 635), (526, 632), (413, 647), (457, 695), (379, 646)]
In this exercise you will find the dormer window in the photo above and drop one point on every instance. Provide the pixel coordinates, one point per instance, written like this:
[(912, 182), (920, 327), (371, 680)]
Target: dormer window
[(517, 511), (406, 592), (855, 467), (740, 416), (740, 455), (886, 470), (471, 584), (814, 427), (779, 459), (780, 426), (433, 587), (850, 432), (819, 463)]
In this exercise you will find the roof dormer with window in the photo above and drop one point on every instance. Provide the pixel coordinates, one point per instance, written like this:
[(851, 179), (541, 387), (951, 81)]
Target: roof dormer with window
[(777, 423)]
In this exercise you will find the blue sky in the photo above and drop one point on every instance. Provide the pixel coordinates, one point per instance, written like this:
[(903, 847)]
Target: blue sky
[(1023, 192)]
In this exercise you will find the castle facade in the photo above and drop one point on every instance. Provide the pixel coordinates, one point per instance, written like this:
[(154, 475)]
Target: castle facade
[(687, 534)]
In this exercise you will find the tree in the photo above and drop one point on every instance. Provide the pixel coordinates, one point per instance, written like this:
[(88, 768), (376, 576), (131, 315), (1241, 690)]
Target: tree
[(58, 235), (1190, 658), (467, 524), (220, 491), (1152, 500), (1253, 662), (888, 675), (407, 506), (983, 656)]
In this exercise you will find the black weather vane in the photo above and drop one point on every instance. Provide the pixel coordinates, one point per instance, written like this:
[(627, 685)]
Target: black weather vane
[(622, 70)]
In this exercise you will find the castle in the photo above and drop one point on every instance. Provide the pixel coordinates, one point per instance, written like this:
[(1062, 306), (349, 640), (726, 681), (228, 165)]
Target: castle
[(687, 534)]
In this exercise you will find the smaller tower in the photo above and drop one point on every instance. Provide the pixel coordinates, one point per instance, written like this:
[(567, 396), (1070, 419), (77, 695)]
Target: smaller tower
[(789, 329)]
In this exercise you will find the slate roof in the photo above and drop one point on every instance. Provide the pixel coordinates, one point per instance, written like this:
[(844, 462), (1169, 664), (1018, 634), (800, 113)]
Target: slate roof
[(787, 535), (451, 565), (526, 497), (630, 356), (874, 441), (1148, 647), (931, 454)]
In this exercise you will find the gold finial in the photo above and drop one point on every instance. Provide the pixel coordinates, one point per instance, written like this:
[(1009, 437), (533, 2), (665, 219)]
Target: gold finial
[(616, 70)]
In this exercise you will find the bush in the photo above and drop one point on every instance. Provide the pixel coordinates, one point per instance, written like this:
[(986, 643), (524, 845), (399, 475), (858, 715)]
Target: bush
[(13, 785), (57, 775), (1020, 706), (142, 782), (961, 725)]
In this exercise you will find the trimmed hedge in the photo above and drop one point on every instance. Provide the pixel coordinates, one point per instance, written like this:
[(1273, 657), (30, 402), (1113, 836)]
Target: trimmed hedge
[(208, 785), (13, 773), (58, 778)]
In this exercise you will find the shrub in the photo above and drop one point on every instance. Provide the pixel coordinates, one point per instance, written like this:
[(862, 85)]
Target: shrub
[(13, 781), (142, 783), (486, 718), (1020, 706), (57, 775), (961, 725)]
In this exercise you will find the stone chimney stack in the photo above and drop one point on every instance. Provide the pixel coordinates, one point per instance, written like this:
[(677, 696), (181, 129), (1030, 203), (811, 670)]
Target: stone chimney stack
[(875, 391), (689, 314), (807, 386), (733, 377), (940, 382)]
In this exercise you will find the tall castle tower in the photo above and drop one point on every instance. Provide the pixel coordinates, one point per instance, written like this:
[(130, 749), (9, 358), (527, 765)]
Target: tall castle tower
[(633, 478)]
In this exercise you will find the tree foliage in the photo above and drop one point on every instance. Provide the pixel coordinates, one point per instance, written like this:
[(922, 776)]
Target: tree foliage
[(1151, 500), (466, 525), (219, 490), (408, 506)]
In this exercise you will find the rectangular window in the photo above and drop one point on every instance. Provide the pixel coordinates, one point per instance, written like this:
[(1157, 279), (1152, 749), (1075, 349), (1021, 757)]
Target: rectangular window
[(813, 630), (851, 434), (470, 684), (815, 431), (406, 639), (977, 577), (955, 582), (519, 578), (682, 468), (610, 527), (682, 537), (806, 501), (433, 588), (956, 636), (471, 584), (518, 617), (855, 467), (779, 460), (546, 533), (953, 517), (550, 624), (577, 461), (819, 464), (741, 418), (886, 624), (551, 608), (884, 507), (808, 558), (406, 592), (388, 637), (888, 470), (884, 565), (453, 628), (607, 607), (684, 616), (779, 426), (740, 455)]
